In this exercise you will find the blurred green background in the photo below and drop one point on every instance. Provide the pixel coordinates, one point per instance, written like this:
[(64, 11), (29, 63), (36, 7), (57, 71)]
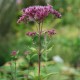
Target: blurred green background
[(66, 42)]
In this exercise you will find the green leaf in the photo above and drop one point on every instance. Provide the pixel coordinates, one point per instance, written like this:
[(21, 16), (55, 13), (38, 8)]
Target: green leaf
[(48, 50), (38, 78), (33, 49), (44, 57), (48, 75), (28, 57), (33, 55)]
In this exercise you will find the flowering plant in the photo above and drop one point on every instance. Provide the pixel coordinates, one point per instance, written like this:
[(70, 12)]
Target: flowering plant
[(38, 14)]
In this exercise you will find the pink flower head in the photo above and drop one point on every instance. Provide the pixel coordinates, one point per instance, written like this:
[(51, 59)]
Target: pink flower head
[(13, 53), (51, 32), (37, 13), (31, 33)]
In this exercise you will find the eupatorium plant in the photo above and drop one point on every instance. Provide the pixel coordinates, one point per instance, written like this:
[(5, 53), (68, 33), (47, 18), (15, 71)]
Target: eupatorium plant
[(38, 14)]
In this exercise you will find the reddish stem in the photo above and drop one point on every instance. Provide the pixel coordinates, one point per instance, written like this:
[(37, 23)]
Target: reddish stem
[(39, 53)]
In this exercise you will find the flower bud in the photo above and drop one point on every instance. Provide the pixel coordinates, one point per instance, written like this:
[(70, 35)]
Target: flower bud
[(13, 53)]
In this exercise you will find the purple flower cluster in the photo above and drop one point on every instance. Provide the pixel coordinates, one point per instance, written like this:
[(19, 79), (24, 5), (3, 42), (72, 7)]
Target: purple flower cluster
[(31, 33), (51, 32), (37, 13)]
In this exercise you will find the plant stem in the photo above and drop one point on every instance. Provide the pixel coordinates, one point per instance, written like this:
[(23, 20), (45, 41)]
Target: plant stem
[(12, 77), (15, 71), (39, 52)]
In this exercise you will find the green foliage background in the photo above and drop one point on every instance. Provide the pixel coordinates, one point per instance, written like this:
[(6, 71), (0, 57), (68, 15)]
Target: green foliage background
[(66, 42)]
